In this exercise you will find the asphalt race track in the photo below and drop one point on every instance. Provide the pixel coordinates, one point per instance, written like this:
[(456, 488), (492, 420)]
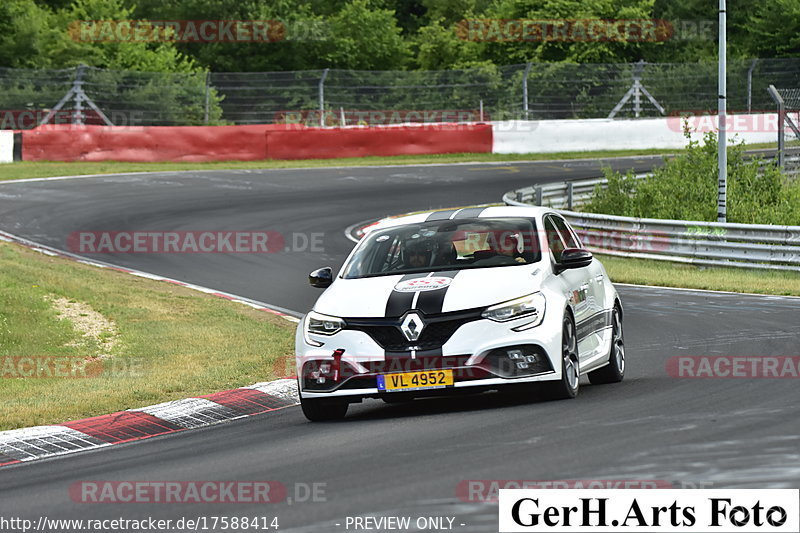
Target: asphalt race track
[(409, 459)]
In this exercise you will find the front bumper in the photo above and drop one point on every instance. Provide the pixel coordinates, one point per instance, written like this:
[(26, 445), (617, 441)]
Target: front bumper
[(477, 353)]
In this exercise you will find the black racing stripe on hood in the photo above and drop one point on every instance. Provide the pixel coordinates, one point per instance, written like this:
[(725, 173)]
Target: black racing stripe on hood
[(431, 302), (441, 215), (470, 212), (400, 302)]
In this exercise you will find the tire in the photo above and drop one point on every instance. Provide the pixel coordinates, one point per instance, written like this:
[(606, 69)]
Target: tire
[(614, 371), (323, 409), (569, 384)]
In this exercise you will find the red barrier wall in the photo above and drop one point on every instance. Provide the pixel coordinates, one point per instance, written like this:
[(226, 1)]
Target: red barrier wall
[(326, 143), (246, 143), (146, 143)]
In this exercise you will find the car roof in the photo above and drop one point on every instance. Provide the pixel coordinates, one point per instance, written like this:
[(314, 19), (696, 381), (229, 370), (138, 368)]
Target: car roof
[(464, 212)]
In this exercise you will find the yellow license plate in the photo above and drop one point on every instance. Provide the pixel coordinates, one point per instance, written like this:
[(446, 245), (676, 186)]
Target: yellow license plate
[(427, 379)]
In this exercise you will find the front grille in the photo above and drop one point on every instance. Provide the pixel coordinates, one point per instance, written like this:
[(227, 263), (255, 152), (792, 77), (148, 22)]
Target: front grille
[(438, 330)]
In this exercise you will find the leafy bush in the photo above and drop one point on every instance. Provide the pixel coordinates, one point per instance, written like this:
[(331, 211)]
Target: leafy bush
[(685, 188)]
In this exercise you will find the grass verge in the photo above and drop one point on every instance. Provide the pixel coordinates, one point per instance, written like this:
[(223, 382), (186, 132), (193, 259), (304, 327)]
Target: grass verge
[(172, 342), (662, 273)]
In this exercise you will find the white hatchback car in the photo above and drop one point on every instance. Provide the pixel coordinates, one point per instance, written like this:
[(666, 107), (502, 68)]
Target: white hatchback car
[(462, 300)]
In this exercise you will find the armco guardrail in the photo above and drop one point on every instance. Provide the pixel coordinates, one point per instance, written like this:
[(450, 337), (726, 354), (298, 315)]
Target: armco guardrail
[(558, 195), (700, 243)]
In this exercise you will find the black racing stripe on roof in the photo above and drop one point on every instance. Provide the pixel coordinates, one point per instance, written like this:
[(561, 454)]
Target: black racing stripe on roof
[(470, 212), (441, 215)]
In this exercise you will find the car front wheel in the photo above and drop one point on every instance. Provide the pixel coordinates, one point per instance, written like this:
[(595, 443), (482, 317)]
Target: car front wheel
[(323, 409), (569, 384), (614, 371)]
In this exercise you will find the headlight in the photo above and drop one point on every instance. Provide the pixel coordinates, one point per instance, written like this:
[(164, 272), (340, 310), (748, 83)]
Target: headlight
[(320, 324), (532, 305)]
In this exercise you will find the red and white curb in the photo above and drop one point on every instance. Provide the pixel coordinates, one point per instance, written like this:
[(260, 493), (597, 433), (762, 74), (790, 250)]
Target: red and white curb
[(28, 444)]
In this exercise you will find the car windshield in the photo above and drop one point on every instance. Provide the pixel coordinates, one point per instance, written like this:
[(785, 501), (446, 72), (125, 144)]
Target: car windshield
[(445, 245)]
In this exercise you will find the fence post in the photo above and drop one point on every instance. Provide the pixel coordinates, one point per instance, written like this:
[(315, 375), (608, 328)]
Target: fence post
[(525, 89), (205, 107), (773, 92), (481, 103), (750, 83), (78, 87), (322, 98), (637, 91), (76, 92)]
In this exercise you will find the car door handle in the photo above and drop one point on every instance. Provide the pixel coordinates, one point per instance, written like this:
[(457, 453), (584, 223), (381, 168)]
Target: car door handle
[(598, 278)]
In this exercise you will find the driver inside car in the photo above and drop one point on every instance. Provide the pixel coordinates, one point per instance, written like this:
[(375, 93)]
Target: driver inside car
[(418, 254)]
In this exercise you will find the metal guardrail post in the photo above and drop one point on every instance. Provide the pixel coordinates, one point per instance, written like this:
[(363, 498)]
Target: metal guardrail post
[(519, 196), (538, 195), (570, 195)]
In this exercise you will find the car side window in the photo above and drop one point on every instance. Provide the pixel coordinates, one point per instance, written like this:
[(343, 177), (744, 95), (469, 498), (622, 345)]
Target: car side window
[(554, 240), (569, 239)]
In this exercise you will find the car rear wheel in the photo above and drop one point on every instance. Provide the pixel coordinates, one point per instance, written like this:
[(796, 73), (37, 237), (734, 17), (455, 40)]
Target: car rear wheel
[(323, 409), (614, 371), (569, 384)]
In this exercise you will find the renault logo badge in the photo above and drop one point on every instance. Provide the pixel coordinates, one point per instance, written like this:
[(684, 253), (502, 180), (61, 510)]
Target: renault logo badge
[(412, 327)]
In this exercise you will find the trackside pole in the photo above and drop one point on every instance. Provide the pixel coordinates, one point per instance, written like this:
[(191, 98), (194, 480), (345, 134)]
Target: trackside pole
[(722, 208)]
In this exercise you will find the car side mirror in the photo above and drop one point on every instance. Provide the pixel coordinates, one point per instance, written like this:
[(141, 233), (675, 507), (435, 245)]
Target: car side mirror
[(573, 258), (321, 278)]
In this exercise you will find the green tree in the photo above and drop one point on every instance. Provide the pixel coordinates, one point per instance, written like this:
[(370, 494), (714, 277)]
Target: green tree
[(773, 29), (365, 38), (27, 32)]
